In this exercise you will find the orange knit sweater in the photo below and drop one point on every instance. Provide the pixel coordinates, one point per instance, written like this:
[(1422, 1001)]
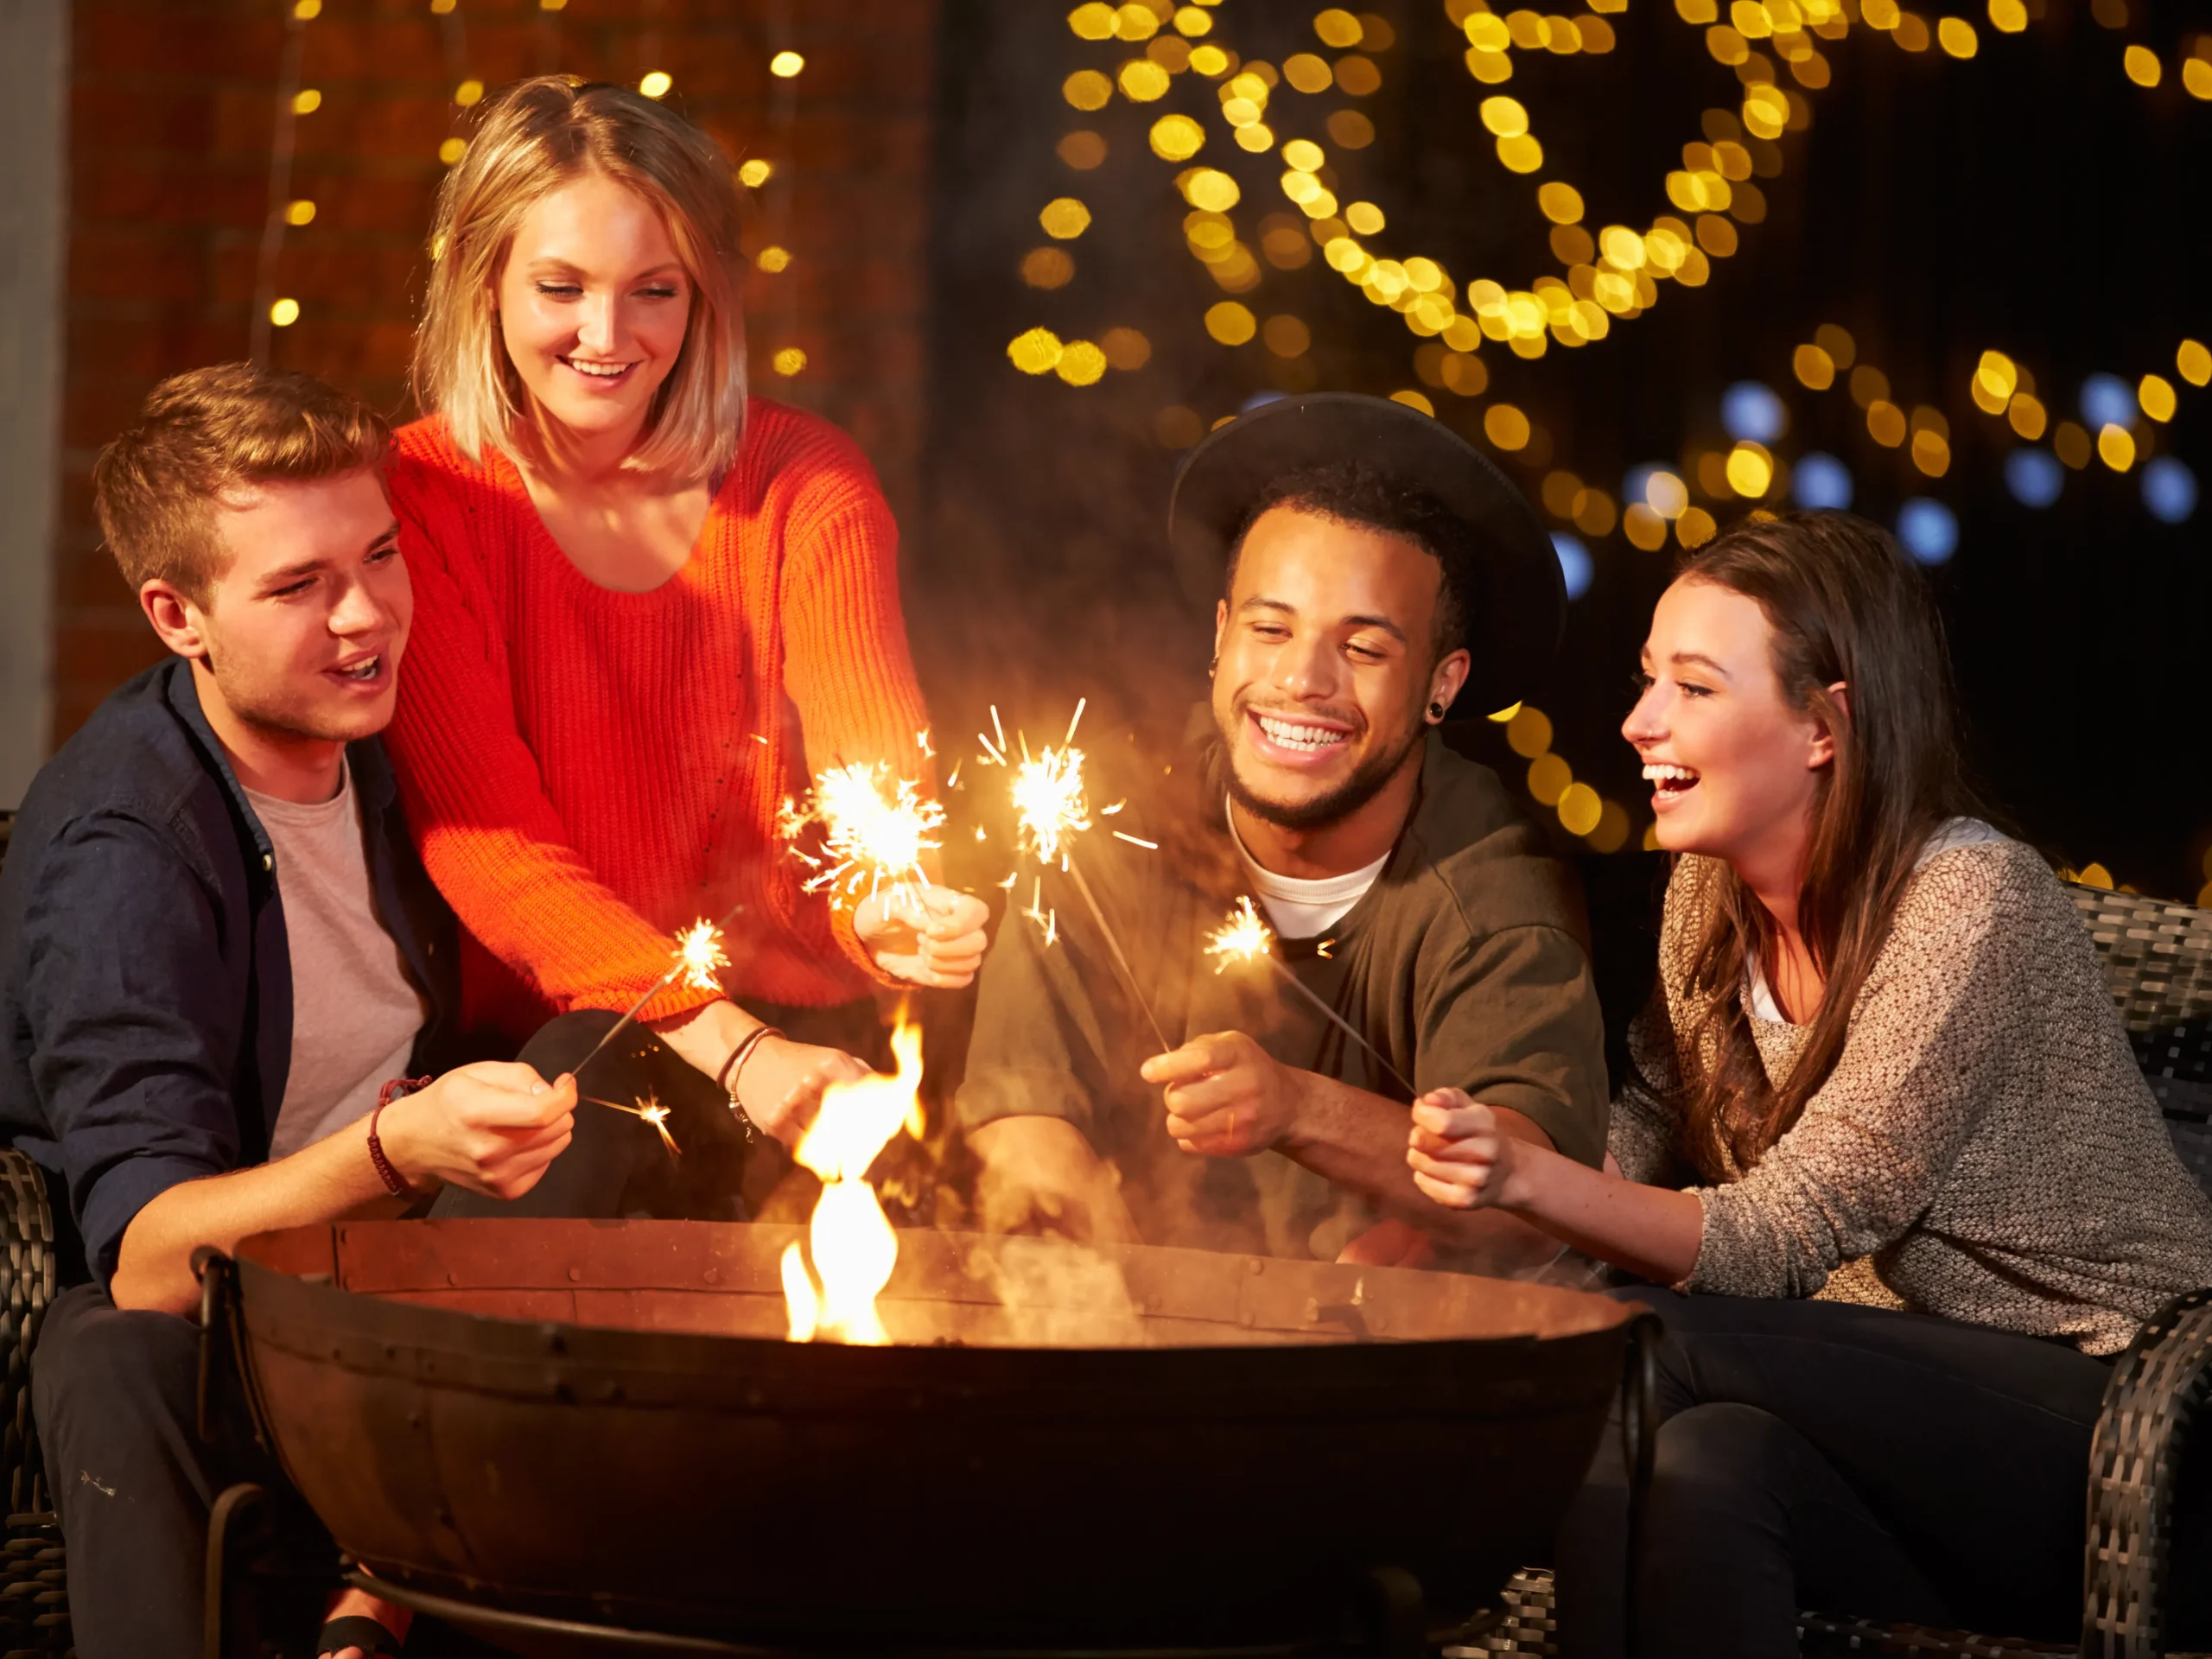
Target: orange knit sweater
[(587, 771)]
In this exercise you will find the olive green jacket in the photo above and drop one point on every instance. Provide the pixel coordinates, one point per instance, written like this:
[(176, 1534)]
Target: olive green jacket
[(1466, 963)]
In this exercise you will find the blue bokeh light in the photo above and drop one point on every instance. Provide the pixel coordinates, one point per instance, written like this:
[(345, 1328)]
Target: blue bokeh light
[(1752, 413), (2034, 476), (2108, 400), (1821, 481), (1929, 530), (1574, 563), (2169, 490)]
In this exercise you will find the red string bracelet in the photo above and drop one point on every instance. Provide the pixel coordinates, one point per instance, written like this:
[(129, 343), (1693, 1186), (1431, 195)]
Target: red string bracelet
[(394, 1183)]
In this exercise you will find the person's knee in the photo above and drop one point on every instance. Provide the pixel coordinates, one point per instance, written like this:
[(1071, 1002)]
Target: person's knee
[(113, 1385), (1718, 1460), (561, 1043), (91, 1350)]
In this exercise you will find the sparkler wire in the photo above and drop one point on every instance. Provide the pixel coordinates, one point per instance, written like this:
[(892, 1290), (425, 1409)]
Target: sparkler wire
[(1114, 944), (1335, 1019), (652, 991)]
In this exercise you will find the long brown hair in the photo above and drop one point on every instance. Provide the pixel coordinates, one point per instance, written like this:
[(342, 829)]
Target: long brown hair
[(1845, 605)]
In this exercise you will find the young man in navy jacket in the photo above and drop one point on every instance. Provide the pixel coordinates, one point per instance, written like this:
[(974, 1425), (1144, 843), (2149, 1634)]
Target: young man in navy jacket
[(221, 962)]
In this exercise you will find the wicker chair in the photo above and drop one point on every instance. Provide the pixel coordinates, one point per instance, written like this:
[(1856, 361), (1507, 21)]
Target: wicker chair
[(2157, 961)]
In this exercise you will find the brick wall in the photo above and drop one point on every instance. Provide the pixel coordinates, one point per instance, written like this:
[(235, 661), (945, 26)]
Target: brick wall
[(172, 105)]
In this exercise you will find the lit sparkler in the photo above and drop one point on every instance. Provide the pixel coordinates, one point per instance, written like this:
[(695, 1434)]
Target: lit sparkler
[(650, 1109), (1245, 937), (875, 828), (1051, 808), (698, 954)]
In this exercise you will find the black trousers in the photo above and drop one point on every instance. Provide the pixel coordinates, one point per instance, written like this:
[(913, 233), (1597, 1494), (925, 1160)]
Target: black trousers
[(115, 1391), (1836, 1459)]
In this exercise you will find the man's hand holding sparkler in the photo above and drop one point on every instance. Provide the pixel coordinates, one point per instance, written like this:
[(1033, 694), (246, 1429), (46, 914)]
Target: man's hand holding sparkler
[(1228, 1097), (928, 936), (491, 1128)]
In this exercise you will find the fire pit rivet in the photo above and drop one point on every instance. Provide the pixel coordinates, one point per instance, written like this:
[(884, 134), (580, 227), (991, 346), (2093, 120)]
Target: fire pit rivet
[(453, 1278), (1254, 1265), (714, 1275), (1312, 1310), (575, 1276)]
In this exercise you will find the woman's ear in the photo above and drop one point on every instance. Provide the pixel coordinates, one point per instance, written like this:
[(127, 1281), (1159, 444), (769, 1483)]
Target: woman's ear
[(1836, 712)]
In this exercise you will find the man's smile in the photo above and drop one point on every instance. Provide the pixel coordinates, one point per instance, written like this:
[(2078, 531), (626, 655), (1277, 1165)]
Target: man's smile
[(1295, 739)]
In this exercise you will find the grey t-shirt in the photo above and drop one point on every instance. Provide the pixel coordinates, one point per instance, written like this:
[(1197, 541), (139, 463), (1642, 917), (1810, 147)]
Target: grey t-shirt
[(355, 1014)]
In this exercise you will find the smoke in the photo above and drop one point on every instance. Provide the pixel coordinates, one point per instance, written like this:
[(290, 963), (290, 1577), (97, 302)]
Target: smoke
[(1054, 1294)]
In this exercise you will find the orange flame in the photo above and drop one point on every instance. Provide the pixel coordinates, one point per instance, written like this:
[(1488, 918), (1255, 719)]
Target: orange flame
[(851, 1241)]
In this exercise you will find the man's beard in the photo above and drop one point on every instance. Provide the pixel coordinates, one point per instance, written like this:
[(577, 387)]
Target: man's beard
[(1366, 782)]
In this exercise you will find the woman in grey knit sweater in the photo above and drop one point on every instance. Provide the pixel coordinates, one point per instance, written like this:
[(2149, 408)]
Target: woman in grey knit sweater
[(1888, 1145)]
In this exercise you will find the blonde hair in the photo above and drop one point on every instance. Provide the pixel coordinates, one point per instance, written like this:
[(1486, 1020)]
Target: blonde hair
[(205, 434), (536, 135)]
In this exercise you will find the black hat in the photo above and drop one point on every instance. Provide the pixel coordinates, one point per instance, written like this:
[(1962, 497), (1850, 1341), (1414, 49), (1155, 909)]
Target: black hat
[(1514, 622)]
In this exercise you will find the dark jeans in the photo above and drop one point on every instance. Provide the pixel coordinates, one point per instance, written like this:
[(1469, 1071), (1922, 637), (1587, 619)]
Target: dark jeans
[(115, 1391), (1823, 1456)]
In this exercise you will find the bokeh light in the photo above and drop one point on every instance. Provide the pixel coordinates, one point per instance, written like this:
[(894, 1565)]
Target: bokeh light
[(2107, 400), (1575, 566), (2169, 489), (1929, 530), (2034, 477), (1753, 411), (784, 65), (1821, 482)]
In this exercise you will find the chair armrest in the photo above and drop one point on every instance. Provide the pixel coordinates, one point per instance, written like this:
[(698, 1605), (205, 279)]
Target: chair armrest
[(27, 1270), (2157, 1387)]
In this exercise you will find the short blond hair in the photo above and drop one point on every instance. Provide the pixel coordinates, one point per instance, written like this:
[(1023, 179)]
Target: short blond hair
[(536, 135), (209, 433)]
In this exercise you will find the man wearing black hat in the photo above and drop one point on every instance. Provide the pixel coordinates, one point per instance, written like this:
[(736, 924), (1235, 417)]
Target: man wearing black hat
[(1376, 568)]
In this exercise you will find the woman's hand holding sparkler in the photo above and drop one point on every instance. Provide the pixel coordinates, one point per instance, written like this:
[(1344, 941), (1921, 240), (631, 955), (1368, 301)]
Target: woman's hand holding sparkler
[(491, 1127), (1459, 1155), (928, 936), (1227, 1096)]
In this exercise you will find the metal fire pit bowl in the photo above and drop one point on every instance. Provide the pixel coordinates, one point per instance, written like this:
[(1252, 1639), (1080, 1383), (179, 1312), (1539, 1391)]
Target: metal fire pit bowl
[(600, 1425)]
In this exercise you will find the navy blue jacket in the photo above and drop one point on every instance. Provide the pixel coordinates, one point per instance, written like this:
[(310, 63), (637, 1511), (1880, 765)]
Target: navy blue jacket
[(145, 981)]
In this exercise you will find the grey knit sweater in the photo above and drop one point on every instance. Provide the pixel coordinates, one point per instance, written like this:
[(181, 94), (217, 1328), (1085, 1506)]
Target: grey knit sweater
[(1985, 1149)]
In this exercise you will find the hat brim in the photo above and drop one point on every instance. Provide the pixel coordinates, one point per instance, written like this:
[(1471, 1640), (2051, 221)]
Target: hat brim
[(1517, 618)]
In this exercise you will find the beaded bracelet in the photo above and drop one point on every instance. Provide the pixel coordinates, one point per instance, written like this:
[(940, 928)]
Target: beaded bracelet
[(394, 1182)]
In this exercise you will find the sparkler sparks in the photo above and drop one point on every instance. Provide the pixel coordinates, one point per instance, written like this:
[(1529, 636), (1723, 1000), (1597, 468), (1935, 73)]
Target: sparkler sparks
[(650, 1109), (698, 954), (1242, 938), (1051, 808), (1245, 937), (875, 828)]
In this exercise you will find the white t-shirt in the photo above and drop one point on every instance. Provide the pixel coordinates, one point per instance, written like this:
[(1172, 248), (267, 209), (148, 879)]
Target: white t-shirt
[(355, 1013), (1304, 910)]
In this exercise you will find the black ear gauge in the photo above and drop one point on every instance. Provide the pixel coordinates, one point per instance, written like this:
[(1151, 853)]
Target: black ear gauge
[(1436, 711)]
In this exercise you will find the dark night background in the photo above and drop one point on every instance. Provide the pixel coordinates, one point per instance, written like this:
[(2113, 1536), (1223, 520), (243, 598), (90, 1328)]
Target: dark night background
[(2032, 200)]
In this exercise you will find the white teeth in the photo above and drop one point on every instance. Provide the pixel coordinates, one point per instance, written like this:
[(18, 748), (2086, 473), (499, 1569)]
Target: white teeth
[(366, 670), (599, 371), (1669, 775), (1311, 739)]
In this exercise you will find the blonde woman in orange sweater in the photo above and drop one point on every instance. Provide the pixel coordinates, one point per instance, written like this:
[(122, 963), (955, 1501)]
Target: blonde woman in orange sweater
[(649, 608)]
